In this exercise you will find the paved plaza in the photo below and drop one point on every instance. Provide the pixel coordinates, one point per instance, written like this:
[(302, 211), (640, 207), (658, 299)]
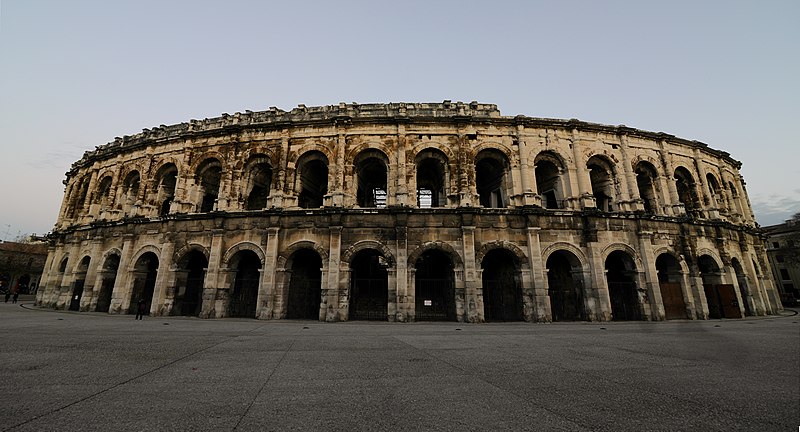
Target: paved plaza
[(65, 371)]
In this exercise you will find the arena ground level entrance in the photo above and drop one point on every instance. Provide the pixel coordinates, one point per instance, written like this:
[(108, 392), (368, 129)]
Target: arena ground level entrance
[(369, 287), (434, 287)]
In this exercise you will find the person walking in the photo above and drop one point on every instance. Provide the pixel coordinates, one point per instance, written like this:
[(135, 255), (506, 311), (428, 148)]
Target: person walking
[(14, 298), (140, 309)]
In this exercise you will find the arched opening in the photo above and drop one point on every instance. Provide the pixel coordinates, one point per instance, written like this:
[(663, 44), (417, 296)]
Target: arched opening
[(246, 281), (23, 284), (491, 178), (77, 285), (167, 177), (565, 286), (721, 298), (369, 286), (601, 175), (714, 191), (687, 194), (144, 281), (103, 192), (258, 184), (209, 175), (312, 179), (670, 277), (79, 196), (434, 287), (305, 285), (647, 184), (371, 178), (431, 178), (744, 288), (130, 188), (108, 276), (502, 286), (622, 289), (548, 170), (189, 284), (736, 204)]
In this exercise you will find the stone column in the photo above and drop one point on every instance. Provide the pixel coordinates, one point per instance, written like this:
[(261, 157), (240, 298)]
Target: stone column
[(473, 296), (333, 290), (336, 195), (266, 292), (630, 191), (526, 175), (160, 290), (673, 204), (585, 197), (539, 297), (402, 194), (120, 298), (598, 302), (656, 310), (211, 281), (404, 299), (89, 297)]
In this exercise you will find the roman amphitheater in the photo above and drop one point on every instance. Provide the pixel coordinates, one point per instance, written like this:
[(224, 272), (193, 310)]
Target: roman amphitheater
[(407, 212)]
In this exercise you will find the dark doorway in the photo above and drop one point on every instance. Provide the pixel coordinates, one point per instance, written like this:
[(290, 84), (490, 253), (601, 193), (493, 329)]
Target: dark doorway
[(312, 179), (721, 298), (744, 289), (435, 287), (305, 286), (565, 286), (144, 281), (502, 287), (108, 278), (371, 179), (189, 289), (669, 281), (491, 168), (244, 295), (622, 289), (77, 287), (369, 290)]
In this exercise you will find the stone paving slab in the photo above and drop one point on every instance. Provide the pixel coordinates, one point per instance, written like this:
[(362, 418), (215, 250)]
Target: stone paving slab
[(68, 371)]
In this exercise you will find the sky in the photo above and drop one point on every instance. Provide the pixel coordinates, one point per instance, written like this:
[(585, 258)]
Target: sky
[(75, 74)]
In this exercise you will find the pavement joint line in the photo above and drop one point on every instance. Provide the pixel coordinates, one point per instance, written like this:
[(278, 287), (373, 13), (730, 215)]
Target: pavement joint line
[(263, 386), (502, 390), (120, 384)]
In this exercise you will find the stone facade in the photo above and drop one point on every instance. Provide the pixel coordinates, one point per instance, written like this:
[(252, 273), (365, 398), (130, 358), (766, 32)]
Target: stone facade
[(407, 212), (783, 250)]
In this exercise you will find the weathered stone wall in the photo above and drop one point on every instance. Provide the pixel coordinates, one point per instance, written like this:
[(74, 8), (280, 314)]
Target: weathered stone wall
[(244, 183)]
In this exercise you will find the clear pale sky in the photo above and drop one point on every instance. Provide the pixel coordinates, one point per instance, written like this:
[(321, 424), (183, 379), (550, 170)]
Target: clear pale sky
[(75, 74)]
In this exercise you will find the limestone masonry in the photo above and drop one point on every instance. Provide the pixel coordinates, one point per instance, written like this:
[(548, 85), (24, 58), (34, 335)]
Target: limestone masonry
[(407, 212)]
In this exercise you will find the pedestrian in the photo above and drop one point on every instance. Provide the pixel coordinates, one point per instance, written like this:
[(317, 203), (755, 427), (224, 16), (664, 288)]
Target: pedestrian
[(140, 309), (16, 294)]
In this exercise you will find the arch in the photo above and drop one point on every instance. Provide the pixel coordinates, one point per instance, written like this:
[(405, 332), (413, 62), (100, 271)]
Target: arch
[(311, 179), (208, 176), (369, 286), (565, 285), (548, 169), (434, 286), (670, 281), (284, 256), (104, 191), (304, 296), (166, 181), (648, 185), (258, 179), (188, 247), (435, 245), (432, 177), (604, 182), (621, 275), (501, 244), (358, 246), (687, 191), (246, 265), (141, 251), (367, 146), (501, 280), (492, 178), (108, 275), (436, 146), (569, 247), (143, 281), (371, 174), (622, 247), (241, 246)]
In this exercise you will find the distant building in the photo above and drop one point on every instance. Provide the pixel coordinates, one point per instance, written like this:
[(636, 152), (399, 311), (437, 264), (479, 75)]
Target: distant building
[(783, 250), (21, 265)]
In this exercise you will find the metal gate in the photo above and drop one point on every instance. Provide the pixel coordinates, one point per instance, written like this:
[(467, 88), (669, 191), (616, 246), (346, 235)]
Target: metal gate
[(242, 302), (624, 301), (368, 299), (722, 302), (435, 300), (502, 300), (77, 292), (672, 298), (304, 297)]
